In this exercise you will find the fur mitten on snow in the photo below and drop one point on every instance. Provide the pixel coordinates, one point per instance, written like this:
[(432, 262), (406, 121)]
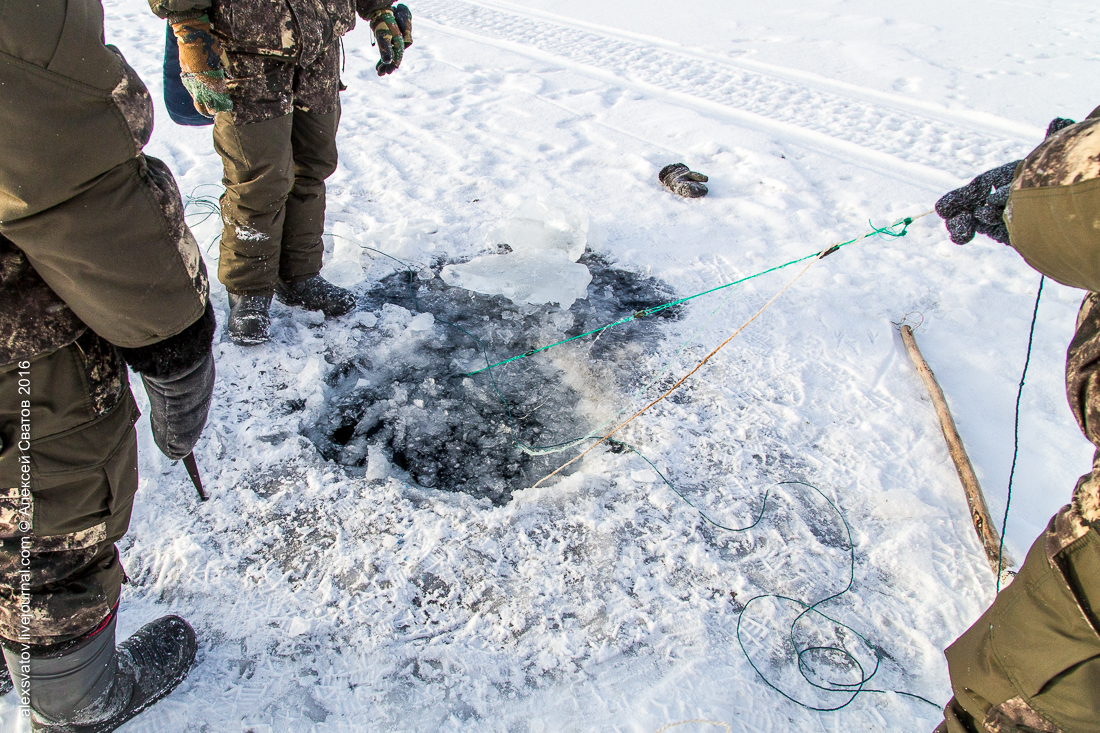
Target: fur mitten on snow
[(682, 181)]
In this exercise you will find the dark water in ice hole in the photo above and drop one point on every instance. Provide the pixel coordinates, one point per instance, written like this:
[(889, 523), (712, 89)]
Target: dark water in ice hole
[(452, 432)]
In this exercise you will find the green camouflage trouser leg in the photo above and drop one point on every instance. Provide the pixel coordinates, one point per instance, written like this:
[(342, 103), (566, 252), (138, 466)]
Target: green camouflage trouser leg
[(1032, 661), (66, 493), (278, 146)]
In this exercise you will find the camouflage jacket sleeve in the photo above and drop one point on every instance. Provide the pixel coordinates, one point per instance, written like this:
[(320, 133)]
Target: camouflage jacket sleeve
[(1053, 212), (99, 222), (177, 10), (1083, 369)]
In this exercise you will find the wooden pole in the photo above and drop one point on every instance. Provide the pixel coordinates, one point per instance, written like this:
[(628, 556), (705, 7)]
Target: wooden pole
[(979, 512)]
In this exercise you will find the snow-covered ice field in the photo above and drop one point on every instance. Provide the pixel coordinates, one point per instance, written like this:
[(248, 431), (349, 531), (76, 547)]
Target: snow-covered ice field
[(339, 597)]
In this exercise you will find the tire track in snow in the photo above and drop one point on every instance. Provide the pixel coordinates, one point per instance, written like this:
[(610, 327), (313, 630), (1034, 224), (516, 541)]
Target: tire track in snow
[(951, 146)]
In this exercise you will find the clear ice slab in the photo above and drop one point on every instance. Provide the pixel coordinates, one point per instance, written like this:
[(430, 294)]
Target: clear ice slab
[(547, 235)]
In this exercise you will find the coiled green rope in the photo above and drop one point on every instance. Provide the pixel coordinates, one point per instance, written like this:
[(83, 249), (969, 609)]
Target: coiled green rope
[(803, 653)]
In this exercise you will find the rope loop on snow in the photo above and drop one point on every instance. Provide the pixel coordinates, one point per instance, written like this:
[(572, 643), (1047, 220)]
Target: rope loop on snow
[(804, 654)]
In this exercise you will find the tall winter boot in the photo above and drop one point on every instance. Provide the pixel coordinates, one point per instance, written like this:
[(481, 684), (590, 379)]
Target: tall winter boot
[(92, 687), (316, 294), (249, 322)]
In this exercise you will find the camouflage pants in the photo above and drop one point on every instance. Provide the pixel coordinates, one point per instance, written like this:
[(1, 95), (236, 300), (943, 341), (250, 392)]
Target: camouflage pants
[(278, 146), (1032, 661), (68, 475)]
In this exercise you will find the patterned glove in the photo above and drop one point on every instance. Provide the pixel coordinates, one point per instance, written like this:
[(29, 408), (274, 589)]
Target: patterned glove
[(979, 206), (392, 28), (683, 181), (201, 69)]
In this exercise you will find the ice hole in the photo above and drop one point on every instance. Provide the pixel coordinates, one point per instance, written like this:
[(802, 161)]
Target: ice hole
[(405, 400)]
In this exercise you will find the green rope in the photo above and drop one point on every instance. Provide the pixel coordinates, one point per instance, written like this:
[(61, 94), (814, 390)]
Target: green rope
[(890, 231), (1016, 433), (851, 689), (763, 504), (887, 231), (207, 206), (598, 430)]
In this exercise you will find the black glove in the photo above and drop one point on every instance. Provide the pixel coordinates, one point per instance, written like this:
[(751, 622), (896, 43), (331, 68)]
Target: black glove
[(392, 28), (179, 378), (683, 181), (1058, 124), (979, 206)]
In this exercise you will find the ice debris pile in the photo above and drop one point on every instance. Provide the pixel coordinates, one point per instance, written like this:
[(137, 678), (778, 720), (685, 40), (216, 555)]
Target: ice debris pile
[(547, 235), (403, 406)]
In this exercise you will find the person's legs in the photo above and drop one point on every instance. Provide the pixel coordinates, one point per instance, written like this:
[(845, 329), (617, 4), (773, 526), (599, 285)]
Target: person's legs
[(313, 138), (254, 142), (258, 178), (316, 119), (68, 476), (313, 141), (67, 492)]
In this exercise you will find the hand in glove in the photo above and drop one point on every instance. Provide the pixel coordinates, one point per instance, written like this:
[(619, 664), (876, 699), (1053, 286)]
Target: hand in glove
[(201, 69), (179, 378), (979, 206), (392, 28)]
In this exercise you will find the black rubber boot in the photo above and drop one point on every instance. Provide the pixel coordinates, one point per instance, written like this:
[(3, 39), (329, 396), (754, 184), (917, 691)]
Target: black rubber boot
[(249, 322), (92, 687), (683, 181), (316, 294)]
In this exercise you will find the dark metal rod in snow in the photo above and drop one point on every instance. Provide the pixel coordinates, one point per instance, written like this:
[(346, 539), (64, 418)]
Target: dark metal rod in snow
[(193, 472), (975, 499)]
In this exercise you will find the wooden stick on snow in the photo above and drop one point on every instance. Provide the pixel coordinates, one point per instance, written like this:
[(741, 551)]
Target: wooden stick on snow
[(979, 512)]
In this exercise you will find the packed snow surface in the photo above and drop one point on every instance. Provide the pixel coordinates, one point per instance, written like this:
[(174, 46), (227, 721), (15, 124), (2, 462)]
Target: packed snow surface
[(334, 591)]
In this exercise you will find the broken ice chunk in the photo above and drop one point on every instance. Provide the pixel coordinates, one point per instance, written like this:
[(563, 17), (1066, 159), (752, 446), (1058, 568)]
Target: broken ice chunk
[(546, 236), (546, 276), (297, 626), (422, 322), (545, 222)]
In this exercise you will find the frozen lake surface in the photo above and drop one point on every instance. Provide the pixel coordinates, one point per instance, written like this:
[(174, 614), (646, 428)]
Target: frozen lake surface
[(373, 556)]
